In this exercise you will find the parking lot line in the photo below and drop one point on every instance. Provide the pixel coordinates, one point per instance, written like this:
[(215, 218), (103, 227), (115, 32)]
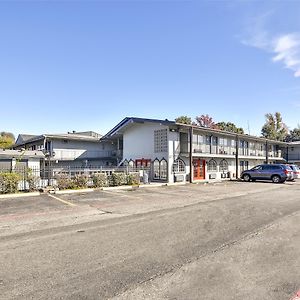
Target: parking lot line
[(61, 200)]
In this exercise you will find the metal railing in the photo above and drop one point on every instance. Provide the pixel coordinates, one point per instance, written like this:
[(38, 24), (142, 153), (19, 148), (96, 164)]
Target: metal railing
[(37, 178)]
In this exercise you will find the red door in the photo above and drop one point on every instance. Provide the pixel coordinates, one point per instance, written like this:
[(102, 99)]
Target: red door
[(198, 168)]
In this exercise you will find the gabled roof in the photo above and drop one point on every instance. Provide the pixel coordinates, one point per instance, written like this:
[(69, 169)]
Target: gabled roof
[(23, 138), (130, 120)]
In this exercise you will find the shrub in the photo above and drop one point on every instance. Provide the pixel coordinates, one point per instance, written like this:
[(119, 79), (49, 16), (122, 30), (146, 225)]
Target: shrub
[(133, 178), (9, 182), (116, 179), (99, 180), (64, 182), (80, 181), (32, 180)]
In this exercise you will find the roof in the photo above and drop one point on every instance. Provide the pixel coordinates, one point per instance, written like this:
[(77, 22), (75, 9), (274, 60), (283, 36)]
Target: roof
[(228, 133), (8, 154), (23, 137), (85, 136), (119, 128), (130, 120)]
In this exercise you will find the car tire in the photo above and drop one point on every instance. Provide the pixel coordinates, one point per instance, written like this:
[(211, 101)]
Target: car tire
[(247, 177), (276, 179)]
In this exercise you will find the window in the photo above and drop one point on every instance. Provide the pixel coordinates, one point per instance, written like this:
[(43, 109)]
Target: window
[(212, 166), (179, 166), (160, 169), (156, 169), (163, 169), (244, 165), (223, 165), (161, 140)]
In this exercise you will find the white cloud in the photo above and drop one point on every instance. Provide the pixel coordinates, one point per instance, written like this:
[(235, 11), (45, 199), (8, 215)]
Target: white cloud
[(287, 51), (285, 48)]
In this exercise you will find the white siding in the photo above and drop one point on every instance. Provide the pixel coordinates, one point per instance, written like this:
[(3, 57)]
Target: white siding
[(138, 142)]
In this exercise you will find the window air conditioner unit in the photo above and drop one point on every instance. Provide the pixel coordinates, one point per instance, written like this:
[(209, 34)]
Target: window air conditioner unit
[(179, 178), (212, 176)]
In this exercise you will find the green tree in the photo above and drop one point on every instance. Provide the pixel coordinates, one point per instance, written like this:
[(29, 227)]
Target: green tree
[(184, 120), (294, 135), (7, 139), (230, 127), (274, 128)]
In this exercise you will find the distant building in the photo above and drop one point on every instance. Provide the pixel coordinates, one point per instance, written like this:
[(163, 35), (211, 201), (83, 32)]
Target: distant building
[(74, 149), (12, 159)]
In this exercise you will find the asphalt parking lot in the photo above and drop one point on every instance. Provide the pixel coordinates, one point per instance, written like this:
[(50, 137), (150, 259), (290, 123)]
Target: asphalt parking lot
[(230, 240)]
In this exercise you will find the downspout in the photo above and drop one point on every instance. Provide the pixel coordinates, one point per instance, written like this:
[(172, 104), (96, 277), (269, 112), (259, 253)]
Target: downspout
[(191, 154), (236, 157)]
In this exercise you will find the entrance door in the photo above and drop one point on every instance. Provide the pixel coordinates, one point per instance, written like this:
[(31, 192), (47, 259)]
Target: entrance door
[(199, 168)]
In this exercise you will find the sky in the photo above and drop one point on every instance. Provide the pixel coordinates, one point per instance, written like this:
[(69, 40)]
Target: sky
[(85, 65)]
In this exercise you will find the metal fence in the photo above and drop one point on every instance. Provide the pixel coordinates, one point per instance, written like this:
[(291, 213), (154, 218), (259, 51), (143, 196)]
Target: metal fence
[(38, 178)]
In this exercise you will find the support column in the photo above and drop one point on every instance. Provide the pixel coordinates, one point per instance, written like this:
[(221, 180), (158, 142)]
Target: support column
[(191, 153), (237, 157), (267, 152)]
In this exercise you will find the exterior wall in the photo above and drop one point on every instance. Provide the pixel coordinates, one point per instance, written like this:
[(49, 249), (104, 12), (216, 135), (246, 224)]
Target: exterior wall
[(293, 153), (72, 150), (138, 142), (34, 164), (174, 152)]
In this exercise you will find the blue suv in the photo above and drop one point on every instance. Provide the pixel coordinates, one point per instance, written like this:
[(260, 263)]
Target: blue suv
[(275, 172)]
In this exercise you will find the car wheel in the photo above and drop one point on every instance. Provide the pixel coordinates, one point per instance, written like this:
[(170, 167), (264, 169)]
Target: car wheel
[(276, 179), (247, 177)]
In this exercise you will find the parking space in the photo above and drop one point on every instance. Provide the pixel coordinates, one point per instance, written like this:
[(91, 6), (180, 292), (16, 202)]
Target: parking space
[(53, 210), (28, 205)]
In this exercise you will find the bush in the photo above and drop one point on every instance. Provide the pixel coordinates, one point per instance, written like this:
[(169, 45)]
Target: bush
[(64, 182), (133, 178), (9, 182), (31, 180), (80, 181), (116, 179), (99, 180)]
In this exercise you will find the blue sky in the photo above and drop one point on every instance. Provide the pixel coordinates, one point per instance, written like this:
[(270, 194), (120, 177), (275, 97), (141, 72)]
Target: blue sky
[(84, 65)]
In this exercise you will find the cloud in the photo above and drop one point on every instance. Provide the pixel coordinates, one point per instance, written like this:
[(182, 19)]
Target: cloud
[(287, 51), (284, 48)]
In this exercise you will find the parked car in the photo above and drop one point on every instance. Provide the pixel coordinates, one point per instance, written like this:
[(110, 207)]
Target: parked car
[(275, 172), (296, 171)]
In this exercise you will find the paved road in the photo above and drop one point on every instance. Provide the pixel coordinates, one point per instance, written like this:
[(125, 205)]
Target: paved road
[(236, 241)]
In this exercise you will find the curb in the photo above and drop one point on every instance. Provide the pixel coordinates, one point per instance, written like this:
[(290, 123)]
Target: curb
[(20, 195), (111, 188)]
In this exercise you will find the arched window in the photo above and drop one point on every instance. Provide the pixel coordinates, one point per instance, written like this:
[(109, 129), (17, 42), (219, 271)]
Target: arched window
[(212, 166), (160, 169), (156, 172), (163, 169), (179, 166), (125, 163), (223, 165)]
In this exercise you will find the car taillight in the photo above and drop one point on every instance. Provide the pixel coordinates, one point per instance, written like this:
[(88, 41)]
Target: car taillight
[(286, 172)]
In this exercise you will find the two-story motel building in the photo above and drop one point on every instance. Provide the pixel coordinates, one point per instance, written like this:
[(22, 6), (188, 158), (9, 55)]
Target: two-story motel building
[(174, 152)]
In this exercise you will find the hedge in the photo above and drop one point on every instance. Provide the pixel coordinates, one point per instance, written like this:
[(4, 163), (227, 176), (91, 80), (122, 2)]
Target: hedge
[(9, 182)]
